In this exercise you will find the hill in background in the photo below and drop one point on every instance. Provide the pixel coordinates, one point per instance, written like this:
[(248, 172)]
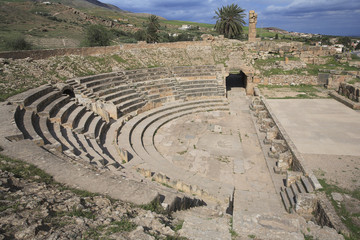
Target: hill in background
[(63, 23)]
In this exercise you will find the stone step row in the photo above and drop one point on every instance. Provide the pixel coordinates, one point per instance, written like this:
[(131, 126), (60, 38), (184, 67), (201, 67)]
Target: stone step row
[(103, 82), (64, 126), (289, 195), (120, 88), (137, 134)]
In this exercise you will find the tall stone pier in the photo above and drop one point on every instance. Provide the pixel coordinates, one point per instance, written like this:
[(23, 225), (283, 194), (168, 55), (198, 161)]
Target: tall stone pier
[(252, 26)]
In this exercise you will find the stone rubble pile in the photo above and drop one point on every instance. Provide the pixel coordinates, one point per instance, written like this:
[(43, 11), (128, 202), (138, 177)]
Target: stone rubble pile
[(279, 148), (36, 210)]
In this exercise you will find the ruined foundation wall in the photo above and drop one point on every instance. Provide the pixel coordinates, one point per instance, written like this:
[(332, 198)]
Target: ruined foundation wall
[(350, 91), (93, 51), (289, 80), (298, 163)]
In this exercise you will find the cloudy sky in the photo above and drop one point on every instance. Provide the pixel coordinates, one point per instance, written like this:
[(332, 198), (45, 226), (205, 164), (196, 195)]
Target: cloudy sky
[(333, 17)]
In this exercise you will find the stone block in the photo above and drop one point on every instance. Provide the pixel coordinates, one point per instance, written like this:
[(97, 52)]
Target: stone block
[(124, 155), (292, 177), (305, 203), (281, 164)]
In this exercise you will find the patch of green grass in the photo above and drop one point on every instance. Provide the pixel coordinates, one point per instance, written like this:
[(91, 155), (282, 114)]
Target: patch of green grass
[(252, 236), (311, 69), (94, 233), (344, 214), (305, 91), (11, 92), (355, 57), (168, 237), (308, 237), (24, 170), (182, 153), (154, 66), (14, 206), (124, 225), (353, 81), (28, 171), (223, 159), (264, 62), (178, 226), (233, 233), (80, 213), (118, 59), (166, 185), (154, 206)]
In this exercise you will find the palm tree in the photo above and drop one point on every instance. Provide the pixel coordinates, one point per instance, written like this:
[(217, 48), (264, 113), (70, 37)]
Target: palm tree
[(153, 26), (230, 20)]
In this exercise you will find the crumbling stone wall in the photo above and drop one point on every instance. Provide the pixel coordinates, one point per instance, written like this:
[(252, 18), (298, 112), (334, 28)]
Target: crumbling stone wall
[(350, 91), (289, 80)]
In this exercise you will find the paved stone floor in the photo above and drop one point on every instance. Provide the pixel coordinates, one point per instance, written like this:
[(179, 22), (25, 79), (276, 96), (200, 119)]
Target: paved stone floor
[(327, 133), (319, 126), (224, 146)]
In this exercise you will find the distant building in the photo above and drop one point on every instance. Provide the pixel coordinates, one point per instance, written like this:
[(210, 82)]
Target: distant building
[(339, 48), (185, 27)]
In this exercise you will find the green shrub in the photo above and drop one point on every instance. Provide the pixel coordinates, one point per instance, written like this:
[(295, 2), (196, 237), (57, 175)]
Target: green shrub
[(97, 35), (17, 43)]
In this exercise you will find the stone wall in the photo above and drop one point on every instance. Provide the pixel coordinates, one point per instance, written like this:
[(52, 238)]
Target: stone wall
[(287, 80), (297, 49), (350, 91), (93, 51), (334, 78)]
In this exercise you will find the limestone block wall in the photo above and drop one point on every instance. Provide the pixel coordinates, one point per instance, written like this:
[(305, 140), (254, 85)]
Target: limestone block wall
[(93, 51), (296, 48), (350, 91), (333, 78), (287, 80)]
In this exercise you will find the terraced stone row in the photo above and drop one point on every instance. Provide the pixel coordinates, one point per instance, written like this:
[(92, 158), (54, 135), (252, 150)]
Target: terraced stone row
[(296, 182), (55, 122), (129, 91), (137, 137), (199, 88)]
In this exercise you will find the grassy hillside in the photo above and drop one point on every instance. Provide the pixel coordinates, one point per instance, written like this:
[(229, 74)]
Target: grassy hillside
[(64, 22)]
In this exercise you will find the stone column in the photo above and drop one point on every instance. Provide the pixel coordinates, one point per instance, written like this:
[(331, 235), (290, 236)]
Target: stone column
[(252, 26)]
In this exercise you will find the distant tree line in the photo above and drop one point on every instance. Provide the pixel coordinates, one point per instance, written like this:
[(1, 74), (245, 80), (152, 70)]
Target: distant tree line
[(98, 35)]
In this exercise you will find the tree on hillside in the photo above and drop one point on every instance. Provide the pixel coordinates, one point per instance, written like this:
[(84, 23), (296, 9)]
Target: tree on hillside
[(357, 46), (230, 20), (346, 41), (97, 35), (17, 42), (152, 28)]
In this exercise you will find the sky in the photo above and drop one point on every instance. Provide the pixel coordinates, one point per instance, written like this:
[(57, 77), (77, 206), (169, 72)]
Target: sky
[(330, 17)]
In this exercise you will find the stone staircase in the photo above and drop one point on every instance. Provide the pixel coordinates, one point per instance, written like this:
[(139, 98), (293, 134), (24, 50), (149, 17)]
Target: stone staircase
[(289, 194)]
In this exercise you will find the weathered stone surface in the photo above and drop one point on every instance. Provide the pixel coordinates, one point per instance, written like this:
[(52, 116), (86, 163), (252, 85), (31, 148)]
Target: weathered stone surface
[(252, 26), (337, 196), (305, 203), (46, 212)]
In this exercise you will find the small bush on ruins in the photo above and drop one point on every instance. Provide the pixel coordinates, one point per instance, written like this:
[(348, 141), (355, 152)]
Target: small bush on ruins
[(17, 43), (230, 20), (97, 35), (140, 35)]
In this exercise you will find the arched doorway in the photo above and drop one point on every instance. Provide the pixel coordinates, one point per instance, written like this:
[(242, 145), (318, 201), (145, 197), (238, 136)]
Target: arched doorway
[(69, 92), (236, 81)]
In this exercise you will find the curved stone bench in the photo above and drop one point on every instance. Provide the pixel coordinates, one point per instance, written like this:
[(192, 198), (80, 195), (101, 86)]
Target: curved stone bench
[(68, 135), (136, 136)]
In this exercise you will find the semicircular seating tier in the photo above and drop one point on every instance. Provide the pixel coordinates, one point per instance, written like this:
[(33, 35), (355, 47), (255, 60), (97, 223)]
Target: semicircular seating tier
[(111, 122)]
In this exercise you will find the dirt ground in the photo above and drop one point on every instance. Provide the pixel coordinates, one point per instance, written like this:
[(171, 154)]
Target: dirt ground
[(293, 92), (200, 143), (340, 170)]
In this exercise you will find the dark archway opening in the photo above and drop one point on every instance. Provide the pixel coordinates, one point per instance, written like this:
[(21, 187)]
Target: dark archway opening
[(69, 92), (236, 81)]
